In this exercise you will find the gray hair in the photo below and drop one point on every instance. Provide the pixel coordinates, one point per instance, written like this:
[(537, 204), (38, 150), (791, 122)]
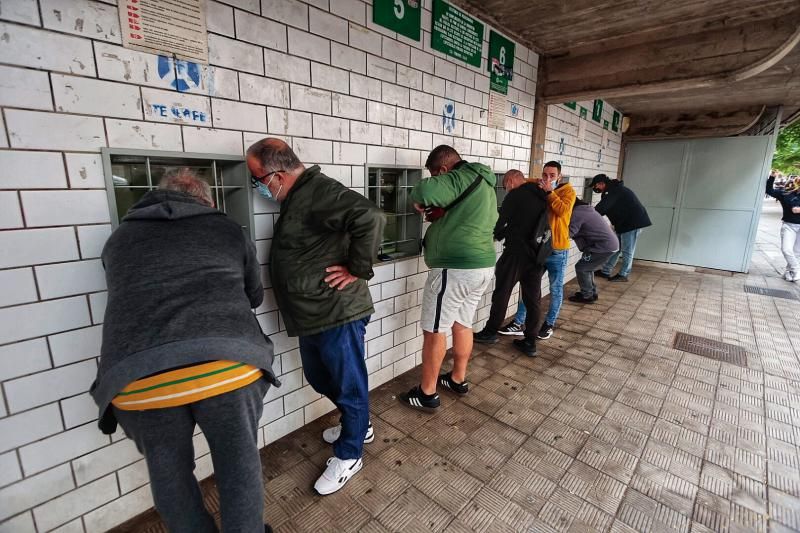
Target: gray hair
[(274, 155), (186, 180)]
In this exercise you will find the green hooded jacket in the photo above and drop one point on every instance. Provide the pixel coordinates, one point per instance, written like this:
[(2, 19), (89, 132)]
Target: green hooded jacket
[(463, 237), (323, 223)]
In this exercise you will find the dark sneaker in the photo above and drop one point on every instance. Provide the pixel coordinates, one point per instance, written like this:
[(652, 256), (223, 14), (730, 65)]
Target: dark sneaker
[(581, 299), (580, 294), (267, 528), (485, 336), (618, 278), (447, 381), (416, 399), (512, 328), (526, 346), (601, 274), (545, 332)]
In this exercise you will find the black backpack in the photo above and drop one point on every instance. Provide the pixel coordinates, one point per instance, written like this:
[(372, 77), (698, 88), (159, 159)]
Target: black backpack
[(540, 243)]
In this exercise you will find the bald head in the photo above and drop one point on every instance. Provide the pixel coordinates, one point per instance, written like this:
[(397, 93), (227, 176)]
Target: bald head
[(513, 179), (272, 162)]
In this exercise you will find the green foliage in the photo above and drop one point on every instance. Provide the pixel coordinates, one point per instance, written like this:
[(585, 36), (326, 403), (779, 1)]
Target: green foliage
[(787, 150)]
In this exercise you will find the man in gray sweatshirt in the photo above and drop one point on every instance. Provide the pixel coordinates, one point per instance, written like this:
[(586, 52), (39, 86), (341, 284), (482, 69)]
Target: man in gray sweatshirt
[(597, 240)]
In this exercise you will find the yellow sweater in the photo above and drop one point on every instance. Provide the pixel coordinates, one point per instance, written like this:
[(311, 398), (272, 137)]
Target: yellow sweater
[(559, 212)]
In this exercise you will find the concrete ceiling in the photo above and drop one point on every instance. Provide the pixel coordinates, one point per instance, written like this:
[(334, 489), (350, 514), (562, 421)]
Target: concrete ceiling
[(710, 65)]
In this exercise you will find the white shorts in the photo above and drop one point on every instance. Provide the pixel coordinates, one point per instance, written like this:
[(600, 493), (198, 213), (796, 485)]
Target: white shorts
[(452, 295)]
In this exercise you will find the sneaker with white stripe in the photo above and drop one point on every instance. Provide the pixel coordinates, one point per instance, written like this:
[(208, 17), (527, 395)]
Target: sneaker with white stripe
[(332, 434), (337, 473), (416, 399)]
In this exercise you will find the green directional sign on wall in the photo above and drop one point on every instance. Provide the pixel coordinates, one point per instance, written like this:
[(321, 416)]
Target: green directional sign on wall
[(584, 112), (615, 121), (456, 34), (501, 62), (597, 110), (571, 105), (402, 16)]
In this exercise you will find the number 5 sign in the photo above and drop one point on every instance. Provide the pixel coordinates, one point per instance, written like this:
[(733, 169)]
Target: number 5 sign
[(501, 62), (402, 16)]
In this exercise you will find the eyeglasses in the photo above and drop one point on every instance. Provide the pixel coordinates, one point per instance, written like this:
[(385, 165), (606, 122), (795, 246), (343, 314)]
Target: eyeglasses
[(254, 180)]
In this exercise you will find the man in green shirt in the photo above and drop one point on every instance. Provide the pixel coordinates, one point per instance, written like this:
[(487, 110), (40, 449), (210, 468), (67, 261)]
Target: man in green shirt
[(460, 251)]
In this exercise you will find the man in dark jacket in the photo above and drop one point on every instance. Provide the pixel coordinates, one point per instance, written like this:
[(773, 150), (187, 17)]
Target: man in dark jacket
[(597, 242), (789, 197), (519, 214), (322, 253), (627, 215), (182, 348)]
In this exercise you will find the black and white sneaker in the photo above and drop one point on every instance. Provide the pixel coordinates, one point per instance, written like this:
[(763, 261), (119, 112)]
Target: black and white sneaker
[(332, 434), (545, 332), (512, 328), (447, 381), (416, 399), (337, 473)]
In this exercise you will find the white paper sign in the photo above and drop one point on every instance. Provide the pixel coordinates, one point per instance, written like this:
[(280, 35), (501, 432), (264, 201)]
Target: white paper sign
[(169, 27), (497, 110)]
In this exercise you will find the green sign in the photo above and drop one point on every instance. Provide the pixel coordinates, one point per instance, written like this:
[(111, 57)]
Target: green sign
[(584, 112), (597, 110), (501, 62), (456, 34), (615, 121), (605, 124), (402, 16), (571, 105)]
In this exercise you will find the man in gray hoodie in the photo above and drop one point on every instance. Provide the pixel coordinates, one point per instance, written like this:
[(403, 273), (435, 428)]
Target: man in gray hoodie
[(597, 240), (181, 348)]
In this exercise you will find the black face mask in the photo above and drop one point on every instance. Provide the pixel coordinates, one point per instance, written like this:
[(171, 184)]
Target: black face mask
[(598, 191)]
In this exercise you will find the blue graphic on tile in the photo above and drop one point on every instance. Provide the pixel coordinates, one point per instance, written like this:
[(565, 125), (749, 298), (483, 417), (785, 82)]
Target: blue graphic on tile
[(181, 75), (449, 116)]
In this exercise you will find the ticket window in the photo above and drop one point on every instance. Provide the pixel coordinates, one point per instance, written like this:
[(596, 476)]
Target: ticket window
[(389, 188), (132, 173)]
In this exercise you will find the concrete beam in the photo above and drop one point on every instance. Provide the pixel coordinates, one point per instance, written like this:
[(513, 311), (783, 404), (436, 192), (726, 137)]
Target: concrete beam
[(719, 123)]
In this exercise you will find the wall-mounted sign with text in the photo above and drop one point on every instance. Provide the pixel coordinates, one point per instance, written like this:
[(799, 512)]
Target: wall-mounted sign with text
[(615, 121), (402, 16), (501, 62), (168, 27), (597, 110), (456, 34)]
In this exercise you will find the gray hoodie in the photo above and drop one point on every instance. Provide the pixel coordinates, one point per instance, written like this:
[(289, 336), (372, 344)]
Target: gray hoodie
[(591, 232), (182, 279)]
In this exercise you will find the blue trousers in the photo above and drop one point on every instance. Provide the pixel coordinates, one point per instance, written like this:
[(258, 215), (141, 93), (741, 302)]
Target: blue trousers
[(556, 266), (333, 363), (627, 247)]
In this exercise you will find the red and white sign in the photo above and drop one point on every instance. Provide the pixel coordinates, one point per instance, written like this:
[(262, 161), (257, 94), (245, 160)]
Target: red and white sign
[(167, 27)]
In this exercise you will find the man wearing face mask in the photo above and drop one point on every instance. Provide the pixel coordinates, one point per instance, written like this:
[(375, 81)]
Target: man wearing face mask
[(627, 215), (323, 249)]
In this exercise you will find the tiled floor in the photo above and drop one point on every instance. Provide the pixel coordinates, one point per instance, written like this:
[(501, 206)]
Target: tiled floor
[(609, 429)]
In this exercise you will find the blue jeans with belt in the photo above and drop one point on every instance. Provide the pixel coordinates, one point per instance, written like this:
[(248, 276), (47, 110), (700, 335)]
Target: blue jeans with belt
[(627, 247), (333, 363)]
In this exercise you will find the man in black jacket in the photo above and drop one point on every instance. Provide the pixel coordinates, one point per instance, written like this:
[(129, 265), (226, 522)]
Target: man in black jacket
[(182, 348), (627, 215), (322, 253), (519, 214)]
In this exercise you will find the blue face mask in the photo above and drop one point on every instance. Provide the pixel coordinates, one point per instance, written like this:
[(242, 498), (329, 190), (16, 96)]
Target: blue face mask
[(264, 191)]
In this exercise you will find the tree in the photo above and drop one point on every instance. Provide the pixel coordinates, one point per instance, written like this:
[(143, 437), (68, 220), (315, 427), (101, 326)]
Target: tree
[(787, 150)]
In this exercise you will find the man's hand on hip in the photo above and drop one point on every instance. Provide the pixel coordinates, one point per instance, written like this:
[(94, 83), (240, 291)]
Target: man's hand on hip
[(339, 278)]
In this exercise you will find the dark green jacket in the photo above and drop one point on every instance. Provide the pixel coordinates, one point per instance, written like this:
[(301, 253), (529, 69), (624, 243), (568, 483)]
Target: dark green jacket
[(463, 237), (323, 223)]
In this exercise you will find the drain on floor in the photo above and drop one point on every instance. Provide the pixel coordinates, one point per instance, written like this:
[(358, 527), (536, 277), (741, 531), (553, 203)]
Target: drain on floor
[(721, 351), (775, 293)]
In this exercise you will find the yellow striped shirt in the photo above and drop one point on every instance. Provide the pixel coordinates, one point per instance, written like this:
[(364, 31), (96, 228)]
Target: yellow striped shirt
[(185, 385)]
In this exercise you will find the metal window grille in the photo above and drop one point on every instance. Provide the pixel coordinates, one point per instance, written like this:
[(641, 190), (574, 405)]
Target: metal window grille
[(130, 174), (389, 188)]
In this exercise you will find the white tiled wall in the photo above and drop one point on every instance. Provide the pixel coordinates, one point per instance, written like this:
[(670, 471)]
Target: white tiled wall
[(342, 91)]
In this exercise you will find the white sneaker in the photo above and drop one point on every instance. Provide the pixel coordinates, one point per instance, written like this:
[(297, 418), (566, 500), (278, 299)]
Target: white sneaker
[(331, 435), (338, 472)]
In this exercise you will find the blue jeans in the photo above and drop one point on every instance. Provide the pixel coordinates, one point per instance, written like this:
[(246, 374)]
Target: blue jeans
[(627, 247), (556, 266), (333, 363)]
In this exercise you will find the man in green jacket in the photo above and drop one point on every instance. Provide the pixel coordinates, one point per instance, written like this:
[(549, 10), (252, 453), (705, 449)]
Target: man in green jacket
[(459, 249), (321, 258)]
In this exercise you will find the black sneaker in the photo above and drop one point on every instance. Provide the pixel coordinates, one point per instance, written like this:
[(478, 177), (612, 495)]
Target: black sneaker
[(545, 332), (512, 328), (581, 299), (601, 274), (580, 294), (447, 381), (526, 346), (267, 528), (416, 399), (485, 336), (618, 278)]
